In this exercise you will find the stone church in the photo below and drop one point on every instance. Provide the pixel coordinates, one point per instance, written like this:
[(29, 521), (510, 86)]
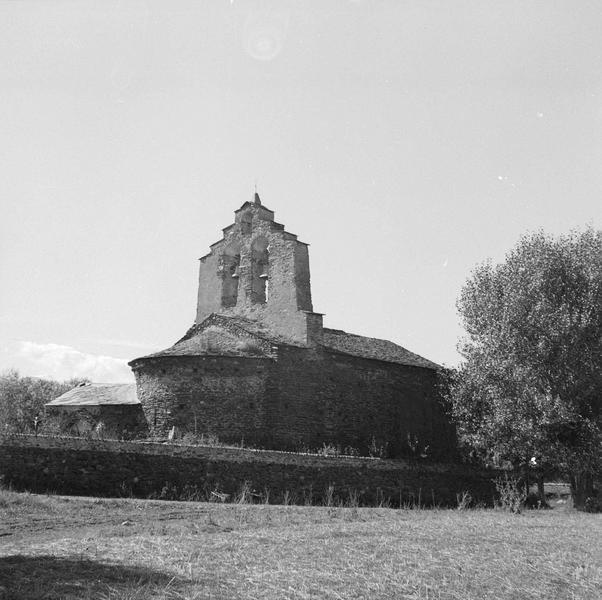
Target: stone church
[(258, 366)]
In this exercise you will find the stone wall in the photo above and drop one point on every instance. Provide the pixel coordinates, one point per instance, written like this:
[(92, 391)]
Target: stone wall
[(120, 421), (286, 270), (299, 398), (322, 397), (220, 395), (111, 468)]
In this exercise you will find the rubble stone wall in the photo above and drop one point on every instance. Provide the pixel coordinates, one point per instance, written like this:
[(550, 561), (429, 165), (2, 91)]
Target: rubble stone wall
[(302, 398), (112, 468)]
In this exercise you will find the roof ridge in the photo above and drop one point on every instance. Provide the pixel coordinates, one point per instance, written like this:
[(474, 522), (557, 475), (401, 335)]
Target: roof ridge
[(366, 337), (100, 383)]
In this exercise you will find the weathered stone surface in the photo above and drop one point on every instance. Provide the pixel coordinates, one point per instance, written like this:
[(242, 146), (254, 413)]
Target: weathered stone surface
[(112, 468), (272, 277), (221, 395), (297, 397)]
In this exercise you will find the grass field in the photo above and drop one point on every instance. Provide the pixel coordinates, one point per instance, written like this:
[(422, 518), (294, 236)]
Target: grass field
[(78, 548)]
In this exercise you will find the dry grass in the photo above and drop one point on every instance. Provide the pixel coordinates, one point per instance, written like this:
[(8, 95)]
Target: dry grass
[(73, 548)]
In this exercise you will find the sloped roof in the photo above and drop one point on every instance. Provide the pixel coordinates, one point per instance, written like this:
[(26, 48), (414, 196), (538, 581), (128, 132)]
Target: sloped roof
[(372, 348), (194, 343), (98, 394), (257, 329)]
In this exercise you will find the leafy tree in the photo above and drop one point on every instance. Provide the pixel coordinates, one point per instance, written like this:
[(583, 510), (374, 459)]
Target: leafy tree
[(22, 400), (530, 385)]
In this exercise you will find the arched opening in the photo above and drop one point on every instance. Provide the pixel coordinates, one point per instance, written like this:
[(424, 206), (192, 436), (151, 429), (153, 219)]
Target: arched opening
[(260, 261), (246, 222), (229, 266)]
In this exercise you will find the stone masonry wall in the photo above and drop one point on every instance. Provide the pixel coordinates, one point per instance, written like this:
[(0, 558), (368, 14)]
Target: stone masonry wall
[(121, 421), (288, 275), (303, 399), (224, 396), (110, 468), (317, 397)]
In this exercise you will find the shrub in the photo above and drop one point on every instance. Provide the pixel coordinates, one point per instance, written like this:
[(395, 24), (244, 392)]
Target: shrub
[(329, 450), (329, 496), (593, 504), (245, 496), (464, 500), (22, 400), (511, 494), (377, 450)]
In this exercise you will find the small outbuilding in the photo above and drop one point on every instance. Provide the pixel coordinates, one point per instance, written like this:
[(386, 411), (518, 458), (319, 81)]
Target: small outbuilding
[(110, 409)]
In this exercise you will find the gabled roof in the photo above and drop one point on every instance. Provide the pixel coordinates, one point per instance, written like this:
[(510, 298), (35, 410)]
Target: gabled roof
[(372, 348), (244, 333), (195, 343), (98, 394), (254, 328)]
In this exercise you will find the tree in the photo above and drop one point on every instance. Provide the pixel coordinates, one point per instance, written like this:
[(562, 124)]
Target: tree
[(529, 387), (22, 400)]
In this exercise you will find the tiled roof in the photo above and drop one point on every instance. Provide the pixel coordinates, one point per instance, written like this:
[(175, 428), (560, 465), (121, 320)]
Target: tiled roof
[(98, 394), (199, 340), (255, 328), (373, 348)]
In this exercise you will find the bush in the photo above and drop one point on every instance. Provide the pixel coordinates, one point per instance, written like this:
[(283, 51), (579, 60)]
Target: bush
[(329, 450), (378, 450), (464, 500), (511, 494), (22, 400), (593, 504)]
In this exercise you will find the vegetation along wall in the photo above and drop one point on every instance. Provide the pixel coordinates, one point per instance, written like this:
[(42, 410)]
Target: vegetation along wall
[(111, 468)]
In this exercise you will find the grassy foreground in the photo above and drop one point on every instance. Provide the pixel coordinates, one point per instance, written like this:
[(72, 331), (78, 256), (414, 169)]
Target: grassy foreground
[(78, 548)]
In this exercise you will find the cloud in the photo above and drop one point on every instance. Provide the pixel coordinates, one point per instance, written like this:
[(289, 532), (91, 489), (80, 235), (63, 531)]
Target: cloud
[(55, 361)]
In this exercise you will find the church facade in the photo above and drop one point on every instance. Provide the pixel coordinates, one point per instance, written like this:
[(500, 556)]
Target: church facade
[(259, 367)]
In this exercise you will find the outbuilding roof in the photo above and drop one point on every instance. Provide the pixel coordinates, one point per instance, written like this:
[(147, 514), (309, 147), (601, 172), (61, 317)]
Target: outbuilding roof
[(98, 394)]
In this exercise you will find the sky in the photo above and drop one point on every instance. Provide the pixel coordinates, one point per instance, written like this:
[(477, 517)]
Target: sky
[(405, 141)]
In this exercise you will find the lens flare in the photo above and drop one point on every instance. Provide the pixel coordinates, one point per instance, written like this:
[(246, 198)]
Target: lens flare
[(265, 32)]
